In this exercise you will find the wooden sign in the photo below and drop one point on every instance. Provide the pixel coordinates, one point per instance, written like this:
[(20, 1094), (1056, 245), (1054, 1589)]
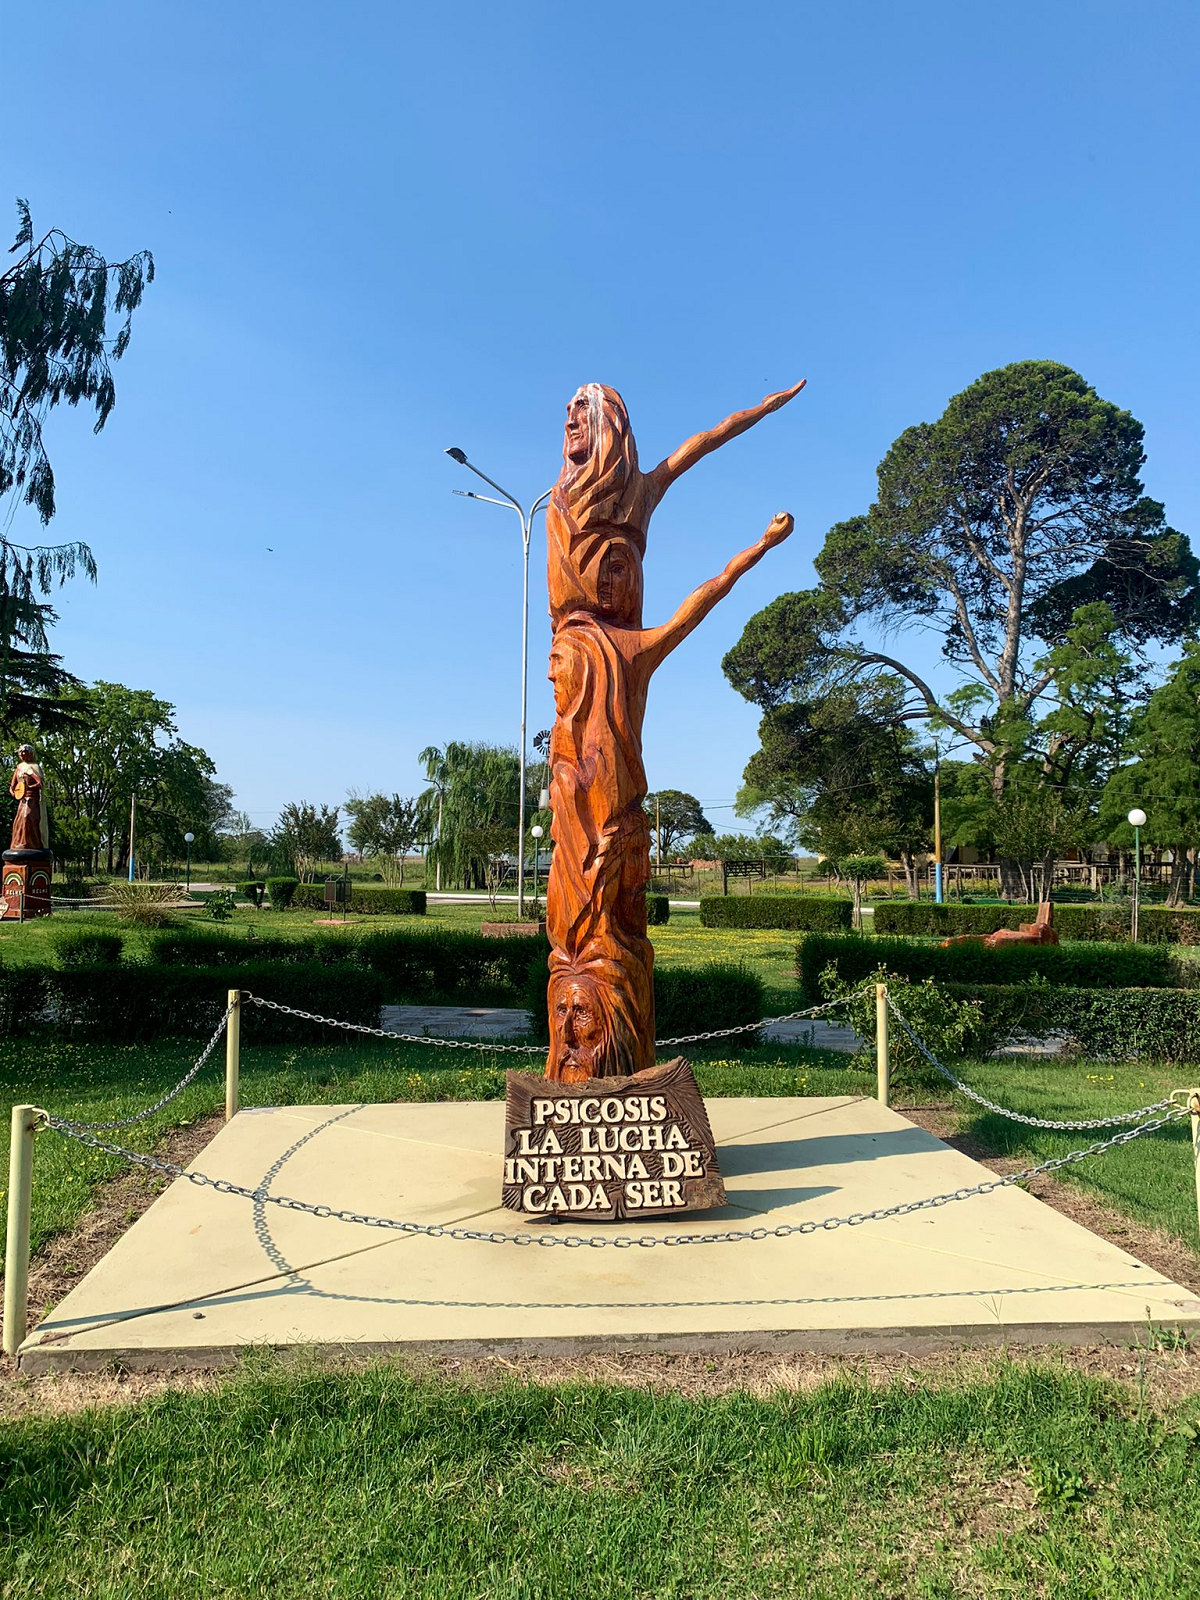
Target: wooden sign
[(609, 1148)]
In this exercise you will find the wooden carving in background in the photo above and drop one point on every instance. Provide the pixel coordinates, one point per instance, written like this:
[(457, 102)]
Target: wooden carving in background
[(601, 992)]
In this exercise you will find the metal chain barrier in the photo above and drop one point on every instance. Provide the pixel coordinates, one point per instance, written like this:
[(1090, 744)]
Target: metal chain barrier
[(526, 1049), (1077, 1125), (601, 1241), (171, 1094)]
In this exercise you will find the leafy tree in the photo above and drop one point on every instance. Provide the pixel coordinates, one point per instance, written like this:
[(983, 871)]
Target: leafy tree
[(384, 828), (56, 344), (121, 743), (739, 847), (677, 816), (473, 790), (844, 775), (859, 870), (1164, 775), (992, 525), (304, 836), (242, 841)]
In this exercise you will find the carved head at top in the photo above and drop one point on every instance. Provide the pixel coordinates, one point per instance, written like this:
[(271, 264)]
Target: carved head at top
[(598, 513)]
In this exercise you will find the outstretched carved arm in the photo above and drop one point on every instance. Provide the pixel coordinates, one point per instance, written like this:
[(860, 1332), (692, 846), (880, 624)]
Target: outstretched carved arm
[(659, 642), (702, 444)]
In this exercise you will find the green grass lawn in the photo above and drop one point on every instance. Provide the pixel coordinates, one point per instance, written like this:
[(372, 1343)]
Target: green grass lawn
[(1024, 1481), (1150, 1180)]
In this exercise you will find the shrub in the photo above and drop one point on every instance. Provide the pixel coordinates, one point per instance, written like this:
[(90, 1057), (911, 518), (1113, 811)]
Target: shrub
[(130, 1004), (658, 910), (1083, 923), (219, 905), (686, 1000), (948, 1024), (146, 905), (448, 967), (1112, 1024), (855, 958), (86, 947), (800, 912), (282, 891), (365, 899), (254, 890)]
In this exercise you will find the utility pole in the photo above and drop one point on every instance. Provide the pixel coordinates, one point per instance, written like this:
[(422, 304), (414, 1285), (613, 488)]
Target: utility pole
[(937, 825), (526, 517)]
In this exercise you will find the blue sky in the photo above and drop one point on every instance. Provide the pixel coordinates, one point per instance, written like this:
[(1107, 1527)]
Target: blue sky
[(382, 229)]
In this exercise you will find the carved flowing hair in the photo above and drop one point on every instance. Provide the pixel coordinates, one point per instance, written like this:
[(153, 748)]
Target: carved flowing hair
[(595, 501)]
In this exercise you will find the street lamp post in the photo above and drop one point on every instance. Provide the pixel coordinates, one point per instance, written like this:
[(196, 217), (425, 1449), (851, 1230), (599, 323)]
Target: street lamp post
[(536, 833), (526, 517), (1137, 821), (188, 839)]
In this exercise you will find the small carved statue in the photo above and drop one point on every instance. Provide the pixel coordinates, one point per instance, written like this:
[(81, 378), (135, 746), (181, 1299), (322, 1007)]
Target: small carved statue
[(1039, 931), (31, 827), (601, 991)]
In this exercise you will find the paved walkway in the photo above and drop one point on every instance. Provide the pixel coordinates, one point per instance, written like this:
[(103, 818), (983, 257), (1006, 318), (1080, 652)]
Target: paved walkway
[(505, 1022)]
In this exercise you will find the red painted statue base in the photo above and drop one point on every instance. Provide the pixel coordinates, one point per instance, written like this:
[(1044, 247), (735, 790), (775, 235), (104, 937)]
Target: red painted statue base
[(27, 875)]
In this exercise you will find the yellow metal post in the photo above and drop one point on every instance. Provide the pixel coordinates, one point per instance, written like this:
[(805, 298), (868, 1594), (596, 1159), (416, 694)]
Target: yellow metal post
[(16, 1251), (233, 1053), (1194, 1108), (883, 1061)]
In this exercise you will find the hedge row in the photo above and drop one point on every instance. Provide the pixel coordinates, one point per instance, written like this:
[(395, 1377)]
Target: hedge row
[(130, 1005), (1156, 925), (1104, 1024), (658, 910), (365, 899), (1080, 965), (435, 966), (794, 911), (686, 1000)]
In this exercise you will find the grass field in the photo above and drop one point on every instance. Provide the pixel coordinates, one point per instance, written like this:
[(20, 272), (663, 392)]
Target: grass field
[(1024, 1481), (1150, 1180)]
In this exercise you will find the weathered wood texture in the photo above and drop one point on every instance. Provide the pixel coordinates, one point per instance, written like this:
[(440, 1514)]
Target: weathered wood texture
[(638, 1146), (601, 992)]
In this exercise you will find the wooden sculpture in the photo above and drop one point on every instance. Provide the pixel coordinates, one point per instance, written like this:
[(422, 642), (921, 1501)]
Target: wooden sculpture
[(601, 991), (1039, 931), (28, 863)]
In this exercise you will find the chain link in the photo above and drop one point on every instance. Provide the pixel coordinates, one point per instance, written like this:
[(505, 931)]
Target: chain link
[(526, 1049), (171, 1094), (1077, 1125), (601, 1241)]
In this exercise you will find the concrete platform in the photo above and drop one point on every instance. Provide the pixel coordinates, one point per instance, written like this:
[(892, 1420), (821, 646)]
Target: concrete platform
[(201, 1276)]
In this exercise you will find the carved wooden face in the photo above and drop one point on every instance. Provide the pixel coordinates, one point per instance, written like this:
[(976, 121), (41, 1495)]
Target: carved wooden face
[(577, 1019), (619, 584), (579, 428)]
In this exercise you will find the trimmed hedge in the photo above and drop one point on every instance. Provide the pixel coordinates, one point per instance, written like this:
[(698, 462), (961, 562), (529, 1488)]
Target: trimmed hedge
[(794, 911), (254, 890), (191, 946), (133, 1004), (443, 966), (658, 910), (1105, 1024), (365, 899), (686, 1000), (1079, 965), (281, 891), (86, 947), (1156, 925)]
